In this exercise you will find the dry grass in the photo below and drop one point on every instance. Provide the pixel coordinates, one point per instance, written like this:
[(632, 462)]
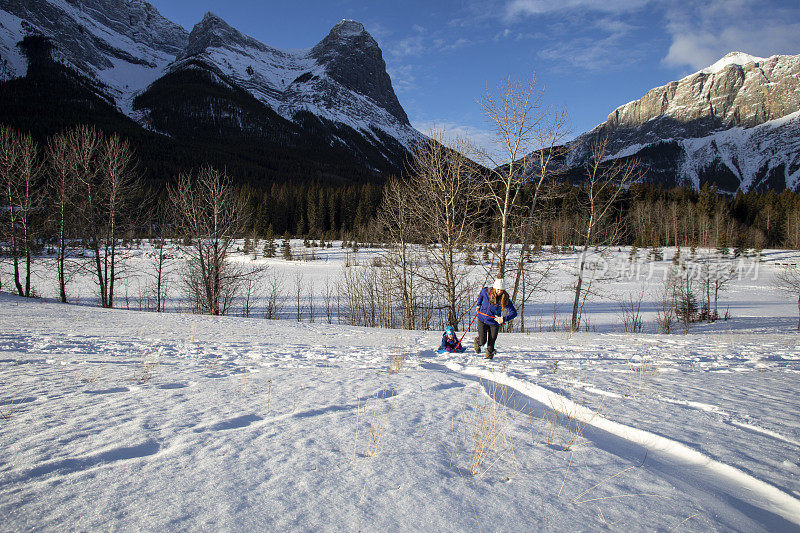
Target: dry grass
[(486, 426), (643, 370), (397, 359), (6, 414), (145, 372), (376, 411), (562, 425)]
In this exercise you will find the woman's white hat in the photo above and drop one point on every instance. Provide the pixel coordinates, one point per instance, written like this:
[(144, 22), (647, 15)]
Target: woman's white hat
[(498, 284)]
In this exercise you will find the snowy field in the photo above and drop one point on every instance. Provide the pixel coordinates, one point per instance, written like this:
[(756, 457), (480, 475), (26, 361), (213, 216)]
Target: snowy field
[(126, 420)]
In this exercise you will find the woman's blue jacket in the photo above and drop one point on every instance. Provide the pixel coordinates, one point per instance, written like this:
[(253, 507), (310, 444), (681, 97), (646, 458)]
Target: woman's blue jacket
[(487, 311)]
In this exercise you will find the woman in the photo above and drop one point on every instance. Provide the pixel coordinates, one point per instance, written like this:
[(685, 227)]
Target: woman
[(494, 309)]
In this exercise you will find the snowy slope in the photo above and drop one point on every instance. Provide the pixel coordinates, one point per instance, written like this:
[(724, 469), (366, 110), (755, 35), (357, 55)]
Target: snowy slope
[(773, 147), (123, 420)]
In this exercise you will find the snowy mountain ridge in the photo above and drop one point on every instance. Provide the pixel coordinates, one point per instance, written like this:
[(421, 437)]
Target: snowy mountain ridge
[(124, 46), (734, 123), (294, 81)]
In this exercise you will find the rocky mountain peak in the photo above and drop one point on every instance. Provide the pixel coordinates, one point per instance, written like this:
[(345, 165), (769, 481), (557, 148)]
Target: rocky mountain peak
[(731, 58), (352, 57), (348, 29), (755, 91), (214, 32)]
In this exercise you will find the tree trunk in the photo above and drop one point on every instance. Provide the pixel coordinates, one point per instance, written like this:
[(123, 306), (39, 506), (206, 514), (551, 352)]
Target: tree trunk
[(575, 324), (100, 278), (62, 282), (27, 271), (110, 279), (17, 282)]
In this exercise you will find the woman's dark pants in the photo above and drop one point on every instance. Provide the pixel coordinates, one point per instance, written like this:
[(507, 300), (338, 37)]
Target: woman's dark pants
[(487, 335)]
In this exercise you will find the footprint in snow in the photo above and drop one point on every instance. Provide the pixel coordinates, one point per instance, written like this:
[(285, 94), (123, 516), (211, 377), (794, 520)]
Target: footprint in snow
[(112, 390), (170, 386), (234, 423)]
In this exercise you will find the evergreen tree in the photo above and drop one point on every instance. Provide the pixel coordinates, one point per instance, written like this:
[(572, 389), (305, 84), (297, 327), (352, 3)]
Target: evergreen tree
[(470, 258), (656, 252), (740, 248), (270, 247), (286, 249), (722, 247)]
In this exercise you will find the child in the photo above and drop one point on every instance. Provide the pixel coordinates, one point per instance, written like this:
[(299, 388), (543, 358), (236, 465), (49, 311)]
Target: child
[(450, 341)]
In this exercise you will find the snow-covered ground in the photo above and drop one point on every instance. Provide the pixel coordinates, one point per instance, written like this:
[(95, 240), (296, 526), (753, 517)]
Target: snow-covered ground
[(129, 420)]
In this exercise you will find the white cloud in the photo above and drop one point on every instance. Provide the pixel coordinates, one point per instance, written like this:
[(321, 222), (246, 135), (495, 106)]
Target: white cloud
[(415, 45), (378, 31), (604, 47), (409, 46), (702, 32), (518, 8)]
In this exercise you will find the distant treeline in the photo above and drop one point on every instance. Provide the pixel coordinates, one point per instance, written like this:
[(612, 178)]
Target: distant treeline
[(650, 215)]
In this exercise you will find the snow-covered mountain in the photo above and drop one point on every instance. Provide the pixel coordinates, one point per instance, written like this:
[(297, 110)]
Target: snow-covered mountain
[(337, 92), (735, 123), (342, 79), (121, 45)]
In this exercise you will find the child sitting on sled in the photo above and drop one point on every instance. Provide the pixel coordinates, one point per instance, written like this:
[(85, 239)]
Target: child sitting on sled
[(450, 341)]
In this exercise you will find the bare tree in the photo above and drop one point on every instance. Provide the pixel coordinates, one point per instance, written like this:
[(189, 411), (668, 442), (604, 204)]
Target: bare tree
[(161, 260), (444, 198), (105, 171), (548, 134), (396, 218), (299, 282), (20, 169), (526, 133), (604, 182), (716, 271), (62, 193), (788, 280), (274, 284), (118, 182), (211, 214)]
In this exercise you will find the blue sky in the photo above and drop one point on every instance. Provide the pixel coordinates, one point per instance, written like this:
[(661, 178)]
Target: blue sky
[(589, 56)]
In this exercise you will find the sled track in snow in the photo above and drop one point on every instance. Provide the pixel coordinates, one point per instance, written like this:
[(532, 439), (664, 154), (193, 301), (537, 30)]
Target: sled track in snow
[(775, 509)]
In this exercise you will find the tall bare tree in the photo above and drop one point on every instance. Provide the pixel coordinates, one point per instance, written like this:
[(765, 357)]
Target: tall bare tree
[(604, 181), (105, 170), (210, 214), (445, 199), (20, 170), (396, 218), (161, 261), (9, 155), (516, 113), (119, 184), (62, 189)]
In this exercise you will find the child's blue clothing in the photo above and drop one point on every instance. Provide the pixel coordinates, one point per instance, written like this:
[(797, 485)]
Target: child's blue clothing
[(449, 345)]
